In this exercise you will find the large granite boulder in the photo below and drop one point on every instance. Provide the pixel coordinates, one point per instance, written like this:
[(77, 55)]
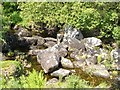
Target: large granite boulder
[(66, 63), (97, 70), (60, 73), (73, 44), (92, 42), (49, 60), (73, 33)]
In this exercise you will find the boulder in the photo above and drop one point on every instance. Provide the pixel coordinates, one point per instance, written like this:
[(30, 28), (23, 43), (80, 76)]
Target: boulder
[(115, 54), (49, 43), (31, 40), (2, 57), (66, 63), (60, 73), (73, 33), (73, 43), (91, 60), (40, 40), (92, 42), (50, 39), (49, 60), (51, 81), (34, 52), (22, 32), (97, 70)]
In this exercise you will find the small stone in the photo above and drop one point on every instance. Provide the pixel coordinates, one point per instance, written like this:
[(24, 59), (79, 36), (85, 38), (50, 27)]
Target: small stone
[(60, 73), (66, 63), (51, 81)]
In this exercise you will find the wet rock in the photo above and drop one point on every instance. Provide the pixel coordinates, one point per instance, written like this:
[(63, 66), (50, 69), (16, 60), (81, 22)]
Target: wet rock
[(49, 43), (61, 72), (97, 70), (79, 64), (92, 42), (8, 68), (73, 33), (66, 63), (48, 60)]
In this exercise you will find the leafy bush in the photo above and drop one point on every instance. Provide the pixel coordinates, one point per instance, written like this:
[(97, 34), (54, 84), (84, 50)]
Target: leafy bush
[(74, 81), (116, 34), (33, 80), (98, 17)]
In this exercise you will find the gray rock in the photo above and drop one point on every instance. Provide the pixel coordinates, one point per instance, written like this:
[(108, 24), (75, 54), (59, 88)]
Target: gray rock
[(115, 54), (35, 40), (79, 64), (61, 72), (73, 33), (50, 39), (51, 81), (97, 70), (66, 63), (78, 55), (40, 40), (92, 42), (91, 60), (31, 40), (2, 57), (49, 43), (73, 43), (49, 60), (34, 52), (21, 32), (59, 38)]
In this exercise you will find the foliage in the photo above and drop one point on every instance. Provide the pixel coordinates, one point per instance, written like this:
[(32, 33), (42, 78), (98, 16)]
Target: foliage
[(10, 68), (116, 34), (87, 16), (74, 81), (10, 17), (33, 80)]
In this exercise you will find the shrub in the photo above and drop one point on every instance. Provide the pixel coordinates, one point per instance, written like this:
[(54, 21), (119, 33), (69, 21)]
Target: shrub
[(74, 81), (33, 80), (116, 34), (101, 18)]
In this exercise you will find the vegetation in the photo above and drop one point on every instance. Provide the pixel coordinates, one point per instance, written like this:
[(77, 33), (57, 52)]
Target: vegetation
[(33, 80), (37, 80), (98, 19)]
